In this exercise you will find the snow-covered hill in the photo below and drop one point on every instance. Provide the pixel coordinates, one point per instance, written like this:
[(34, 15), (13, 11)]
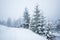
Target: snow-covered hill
[(7, 33), (57, 35)]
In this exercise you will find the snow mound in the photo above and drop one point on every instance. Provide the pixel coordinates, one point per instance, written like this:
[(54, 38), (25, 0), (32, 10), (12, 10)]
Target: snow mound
[(7, 33)]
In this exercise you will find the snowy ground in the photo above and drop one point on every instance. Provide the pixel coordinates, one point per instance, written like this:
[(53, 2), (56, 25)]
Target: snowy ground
[(18, 34), (57, 35)]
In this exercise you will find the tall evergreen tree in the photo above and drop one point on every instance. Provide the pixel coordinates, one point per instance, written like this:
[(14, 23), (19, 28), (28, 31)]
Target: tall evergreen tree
[(26, 19), (49, 33), (37, 23), (9, 22), (58, 25)]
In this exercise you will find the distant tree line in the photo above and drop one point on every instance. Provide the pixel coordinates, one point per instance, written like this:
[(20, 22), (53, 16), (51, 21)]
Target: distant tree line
[(10, 22)]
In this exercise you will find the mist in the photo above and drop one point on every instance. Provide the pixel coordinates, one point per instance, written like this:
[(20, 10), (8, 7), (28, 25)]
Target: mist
[(15, 8)]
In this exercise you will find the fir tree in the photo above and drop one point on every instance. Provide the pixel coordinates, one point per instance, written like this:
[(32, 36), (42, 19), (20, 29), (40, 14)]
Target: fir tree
[(26, 19), (37, 23), (48, 32), (9, 22), (58, 25)]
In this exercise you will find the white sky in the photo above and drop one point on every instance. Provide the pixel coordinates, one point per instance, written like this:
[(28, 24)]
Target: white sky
[(15, 8)]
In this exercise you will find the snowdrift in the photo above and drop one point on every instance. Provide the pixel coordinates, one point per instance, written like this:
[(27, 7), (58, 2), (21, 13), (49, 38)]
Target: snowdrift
[(7, 33)]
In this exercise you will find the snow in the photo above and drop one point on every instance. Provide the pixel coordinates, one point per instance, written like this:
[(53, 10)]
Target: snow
[(7, 33), (56, 34)]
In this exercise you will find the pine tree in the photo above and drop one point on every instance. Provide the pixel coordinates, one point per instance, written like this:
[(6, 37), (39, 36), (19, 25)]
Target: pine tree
[(26, 19), (58, 25), (37, 23), (9, 22), (48, 32)]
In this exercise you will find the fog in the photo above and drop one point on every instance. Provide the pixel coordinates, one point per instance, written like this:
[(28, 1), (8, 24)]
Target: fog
[(15, 8)]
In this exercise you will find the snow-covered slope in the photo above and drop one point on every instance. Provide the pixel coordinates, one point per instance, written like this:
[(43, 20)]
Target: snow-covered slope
[(56, 34), (7, 33)]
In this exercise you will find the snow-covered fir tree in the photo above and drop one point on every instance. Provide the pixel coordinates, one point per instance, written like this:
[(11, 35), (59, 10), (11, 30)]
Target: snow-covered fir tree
[(26, 19), (58, 26), (48, 32), (38, 22), (9, 21)]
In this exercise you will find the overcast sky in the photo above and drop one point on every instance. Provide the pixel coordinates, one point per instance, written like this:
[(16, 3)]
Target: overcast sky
[(15, 8)]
